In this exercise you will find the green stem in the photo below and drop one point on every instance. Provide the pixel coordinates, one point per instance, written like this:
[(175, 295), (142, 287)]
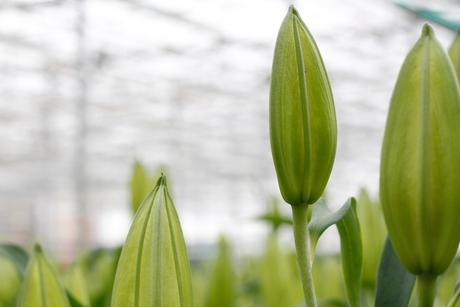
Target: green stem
[(426, 288), (302, 245)]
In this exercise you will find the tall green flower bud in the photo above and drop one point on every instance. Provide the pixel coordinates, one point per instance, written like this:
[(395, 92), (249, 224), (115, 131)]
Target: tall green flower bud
[(303, 128), (420, 163)]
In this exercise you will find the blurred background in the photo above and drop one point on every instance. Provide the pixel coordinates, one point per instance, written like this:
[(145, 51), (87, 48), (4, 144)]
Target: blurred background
[(88, 87)]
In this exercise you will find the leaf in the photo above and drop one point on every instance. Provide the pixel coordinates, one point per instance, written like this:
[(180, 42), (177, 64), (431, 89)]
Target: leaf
[(15, 254), (332, 286), (221, 286), (374, 233), (331, 302), (73, 301), (139, 181), (279, 280), (10, 282), (454, 53), (457, 286), (394, 282), (76, 285), (273, 217), (99, 268), (322, 218), (154, 269), (455, 301), (42, 286), (328, 302), (351, 254)]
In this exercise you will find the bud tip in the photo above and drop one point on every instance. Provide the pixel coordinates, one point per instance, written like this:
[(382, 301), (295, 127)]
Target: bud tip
[(37, 248), (427, 30), (162, 180), (292, 10)]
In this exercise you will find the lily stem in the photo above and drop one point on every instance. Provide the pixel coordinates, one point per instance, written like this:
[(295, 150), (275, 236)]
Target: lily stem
[(302, 245), (426, 288)]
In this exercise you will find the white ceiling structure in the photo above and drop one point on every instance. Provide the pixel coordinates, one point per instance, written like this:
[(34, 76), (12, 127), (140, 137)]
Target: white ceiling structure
[(86, 88)]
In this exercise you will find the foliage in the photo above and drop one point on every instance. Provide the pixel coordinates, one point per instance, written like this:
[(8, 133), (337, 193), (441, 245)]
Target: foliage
[(221, 284)]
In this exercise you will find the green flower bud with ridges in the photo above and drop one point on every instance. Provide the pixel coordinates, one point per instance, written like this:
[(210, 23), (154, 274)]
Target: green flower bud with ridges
[(420, 163), (42, 286), (154, 268), (303, 128)]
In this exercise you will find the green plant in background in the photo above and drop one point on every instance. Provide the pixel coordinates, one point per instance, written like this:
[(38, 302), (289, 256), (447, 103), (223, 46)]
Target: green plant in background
[(374, 233), (99, 267), (76, 284), (279, 280), (10, 282), (454, 53), (328, 278), (448, 284), (274, 216), (142, 183), (221, 287)]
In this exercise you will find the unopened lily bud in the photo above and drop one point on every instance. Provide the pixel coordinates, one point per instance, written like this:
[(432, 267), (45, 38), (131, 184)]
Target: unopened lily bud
[(42, 286), (154, 268), (303, 128), (420, 163)]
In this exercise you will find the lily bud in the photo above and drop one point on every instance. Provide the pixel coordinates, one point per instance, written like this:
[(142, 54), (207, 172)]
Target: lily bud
[(154, 268), (420, 163), (42, 286), (303, 128)]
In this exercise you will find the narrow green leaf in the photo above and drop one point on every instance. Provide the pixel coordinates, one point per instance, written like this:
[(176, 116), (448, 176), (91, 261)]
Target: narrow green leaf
[(280, 283), (374, 233), (75, 283), (455, 301), (331, 302), (457, 286), (99, 268), (394, 282), (154, 269), (139, 182), (73, 301), (15, 254), (351, 254), (328, 302), (322, 218), (42, 286), (221, 287), (331, 287), (454, 53)]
